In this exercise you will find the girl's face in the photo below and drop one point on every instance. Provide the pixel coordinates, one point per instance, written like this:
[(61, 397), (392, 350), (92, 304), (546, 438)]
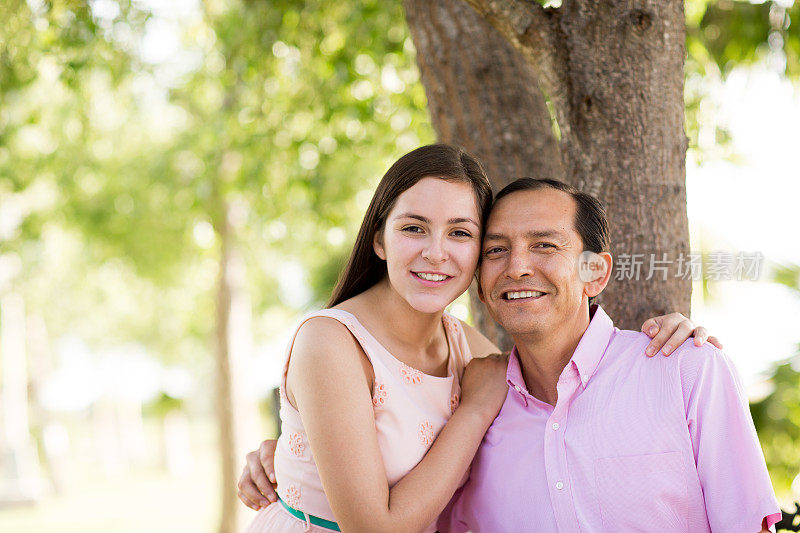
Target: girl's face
[(431, 243)]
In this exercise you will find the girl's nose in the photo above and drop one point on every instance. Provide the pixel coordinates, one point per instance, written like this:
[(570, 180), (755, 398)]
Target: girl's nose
[(435, 252)]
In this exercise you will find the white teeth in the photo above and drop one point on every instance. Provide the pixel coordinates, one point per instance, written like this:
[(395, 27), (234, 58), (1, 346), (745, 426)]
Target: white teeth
[(431, 277), (523, 294)]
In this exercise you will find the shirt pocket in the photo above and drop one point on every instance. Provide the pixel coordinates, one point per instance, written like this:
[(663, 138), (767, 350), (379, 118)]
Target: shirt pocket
[(642, 492)]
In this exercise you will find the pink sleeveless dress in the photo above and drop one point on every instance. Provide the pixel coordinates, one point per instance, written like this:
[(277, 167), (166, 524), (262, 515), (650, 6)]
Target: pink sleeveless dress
[(410, 409)]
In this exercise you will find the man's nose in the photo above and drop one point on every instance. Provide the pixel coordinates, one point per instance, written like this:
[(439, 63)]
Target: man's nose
[(435, 251), (519, 265)]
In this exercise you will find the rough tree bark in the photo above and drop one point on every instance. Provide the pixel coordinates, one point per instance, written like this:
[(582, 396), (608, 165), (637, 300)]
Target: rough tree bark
[(613, 72)]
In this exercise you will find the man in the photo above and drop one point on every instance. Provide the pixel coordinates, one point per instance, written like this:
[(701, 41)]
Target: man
[(592, 436)]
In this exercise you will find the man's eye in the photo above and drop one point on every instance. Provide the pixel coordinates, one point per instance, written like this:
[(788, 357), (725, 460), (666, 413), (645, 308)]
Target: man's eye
[(545, 245), (494, 250)]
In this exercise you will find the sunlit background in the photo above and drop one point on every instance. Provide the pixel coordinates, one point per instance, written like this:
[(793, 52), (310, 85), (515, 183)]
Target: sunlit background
[(148, 148)]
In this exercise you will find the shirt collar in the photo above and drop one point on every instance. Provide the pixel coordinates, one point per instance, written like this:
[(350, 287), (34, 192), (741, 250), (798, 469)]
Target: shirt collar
[(586, 357), (514, 371), (514, 375), (593, 344)]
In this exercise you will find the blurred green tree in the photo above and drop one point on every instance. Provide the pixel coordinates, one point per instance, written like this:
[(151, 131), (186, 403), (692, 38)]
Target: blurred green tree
[(777, 415), (296, 108), (777, 419), (178, 178)]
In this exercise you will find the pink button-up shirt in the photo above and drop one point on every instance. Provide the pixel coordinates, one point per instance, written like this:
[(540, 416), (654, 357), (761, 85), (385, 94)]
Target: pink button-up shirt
[(632, 444)]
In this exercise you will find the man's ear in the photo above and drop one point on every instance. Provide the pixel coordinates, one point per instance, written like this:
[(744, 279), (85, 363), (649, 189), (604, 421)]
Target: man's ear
[(377, 244), (595, 286)]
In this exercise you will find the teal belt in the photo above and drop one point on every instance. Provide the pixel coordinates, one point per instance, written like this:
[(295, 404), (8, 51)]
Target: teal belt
[(317, 521)]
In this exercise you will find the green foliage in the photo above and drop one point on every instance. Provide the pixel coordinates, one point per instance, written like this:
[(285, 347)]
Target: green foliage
[(162, 405), (299, 106), (777, 416), (789, 276), (720, 36), (777, 419), (735, 32), (122, 172)]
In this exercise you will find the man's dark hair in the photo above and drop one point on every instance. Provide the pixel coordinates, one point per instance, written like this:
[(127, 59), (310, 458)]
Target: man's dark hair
[(591, 221)]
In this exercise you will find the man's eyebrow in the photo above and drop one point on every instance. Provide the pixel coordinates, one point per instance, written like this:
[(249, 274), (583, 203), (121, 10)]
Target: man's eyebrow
[(493, 237), (537, 234), (545, 233), (457, 220)]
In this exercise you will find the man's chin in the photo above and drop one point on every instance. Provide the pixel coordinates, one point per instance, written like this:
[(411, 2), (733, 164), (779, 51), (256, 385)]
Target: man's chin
[(524, 324)]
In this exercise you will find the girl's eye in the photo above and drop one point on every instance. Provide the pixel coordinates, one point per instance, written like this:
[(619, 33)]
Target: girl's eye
[(462, 233), (413, 229)]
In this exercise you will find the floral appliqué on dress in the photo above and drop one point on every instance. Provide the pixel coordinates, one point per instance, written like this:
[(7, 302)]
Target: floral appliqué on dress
[(296, 446), (293, 496), (379, 395), (411, 376), (425, 433), (454, 400)]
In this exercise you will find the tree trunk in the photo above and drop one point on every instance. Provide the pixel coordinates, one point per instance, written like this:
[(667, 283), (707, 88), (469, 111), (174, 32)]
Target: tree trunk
[(20, 481), (613, 72), (477, 85), (225, 376), (237, 411)]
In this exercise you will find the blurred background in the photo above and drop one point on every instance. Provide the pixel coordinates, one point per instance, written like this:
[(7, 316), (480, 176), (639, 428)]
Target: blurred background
[(180, 181)]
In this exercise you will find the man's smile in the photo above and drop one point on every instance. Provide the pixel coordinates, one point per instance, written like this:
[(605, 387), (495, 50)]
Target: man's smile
[(514, 295)]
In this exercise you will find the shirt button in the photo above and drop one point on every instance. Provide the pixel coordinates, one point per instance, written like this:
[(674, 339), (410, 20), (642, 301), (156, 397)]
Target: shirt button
[(559, 485), (555, 426)]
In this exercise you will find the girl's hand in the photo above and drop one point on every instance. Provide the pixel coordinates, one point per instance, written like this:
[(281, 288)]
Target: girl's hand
[(256, 488), (484, 386), (669, 331)]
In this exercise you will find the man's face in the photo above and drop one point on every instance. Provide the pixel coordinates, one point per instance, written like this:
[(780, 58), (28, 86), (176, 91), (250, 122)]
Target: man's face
[(529, 272)]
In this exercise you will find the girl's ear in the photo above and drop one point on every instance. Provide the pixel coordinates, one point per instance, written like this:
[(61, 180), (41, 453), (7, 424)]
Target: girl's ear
[(377, 244)]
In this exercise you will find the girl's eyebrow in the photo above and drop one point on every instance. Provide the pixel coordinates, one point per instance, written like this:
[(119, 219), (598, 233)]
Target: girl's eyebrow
[(458, 220)]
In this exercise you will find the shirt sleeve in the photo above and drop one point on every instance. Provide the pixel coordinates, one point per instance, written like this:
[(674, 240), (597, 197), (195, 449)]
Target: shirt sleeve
[(736, 485), (452, 519)]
